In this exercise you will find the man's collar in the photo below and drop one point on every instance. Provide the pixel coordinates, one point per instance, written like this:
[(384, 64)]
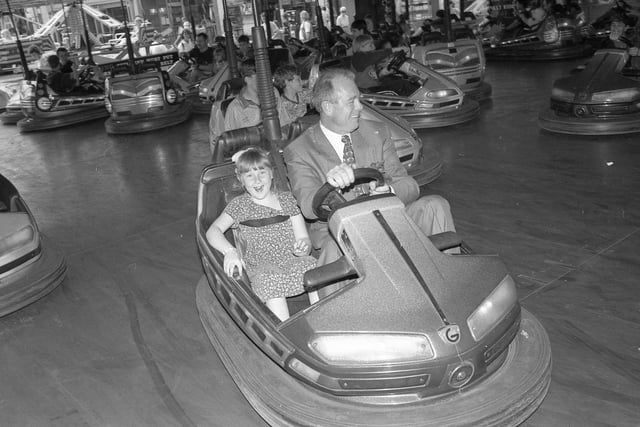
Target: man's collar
[(328, 132)]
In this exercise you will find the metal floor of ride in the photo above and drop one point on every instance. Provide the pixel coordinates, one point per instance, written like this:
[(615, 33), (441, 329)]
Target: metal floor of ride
[(120, 342)]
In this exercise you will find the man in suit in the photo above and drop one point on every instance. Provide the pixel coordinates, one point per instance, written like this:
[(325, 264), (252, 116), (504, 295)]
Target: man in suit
[(319, 155)]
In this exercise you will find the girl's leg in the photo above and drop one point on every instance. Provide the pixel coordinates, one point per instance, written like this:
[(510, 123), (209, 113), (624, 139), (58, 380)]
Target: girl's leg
[(279, 307)]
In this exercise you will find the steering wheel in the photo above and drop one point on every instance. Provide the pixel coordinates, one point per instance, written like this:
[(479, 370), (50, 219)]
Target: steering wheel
[(85, 75), (328, 198), (396, 61)]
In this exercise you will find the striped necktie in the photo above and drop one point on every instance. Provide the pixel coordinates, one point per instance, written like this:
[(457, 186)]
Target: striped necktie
[(347, 154)]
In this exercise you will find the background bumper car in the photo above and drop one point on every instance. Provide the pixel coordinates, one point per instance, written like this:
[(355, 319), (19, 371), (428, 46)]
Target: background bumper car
[(462, 61), (554, 38), (435, 100), (416, 337), (30, 267), (143, 98), (10, 103), (601, 99), (44, 109)]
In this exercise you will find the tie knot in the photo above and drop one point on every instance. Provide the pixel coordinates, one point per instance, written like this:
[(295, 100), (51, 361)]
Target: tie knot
[(346, 139)]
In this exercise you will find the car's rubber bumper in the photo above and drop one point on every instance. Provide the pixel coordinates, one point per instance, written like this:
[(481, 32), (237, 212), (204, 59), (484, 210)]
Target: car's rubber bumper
[(32, 282), (428, 168), (198, 106), (469, 110), (149, 122), (44, 121), (479, 93), (11, 117), (552, 122), (508, 396), (541, 53)]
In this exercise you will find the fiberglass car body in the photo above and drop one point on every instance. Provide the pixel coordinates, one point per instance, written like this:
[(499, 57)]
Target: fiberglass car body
[(30, 267), (557, 37), (43, 108), (601, 99), (462, 61), (142, 97), (416, 337), (436, 102)]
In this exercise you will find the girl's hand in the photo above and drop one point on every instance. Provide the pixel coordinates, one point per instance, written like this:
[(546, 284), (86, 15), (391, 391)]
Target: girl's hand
[(231, 262), (302, 247)]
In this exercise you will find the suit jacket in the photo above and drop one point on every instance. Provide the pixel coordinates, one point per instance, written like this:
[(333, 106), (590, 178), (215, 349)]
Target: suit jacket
[(310, 156)]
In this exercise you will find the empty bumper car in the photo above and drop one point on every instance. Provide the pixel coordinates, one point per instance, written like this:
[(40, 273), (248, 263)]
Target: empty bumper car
[(43, 108), (554, 38), (601, 99), (416, 337), (30, 267), (143, 98), (434, 101), (462, 60)]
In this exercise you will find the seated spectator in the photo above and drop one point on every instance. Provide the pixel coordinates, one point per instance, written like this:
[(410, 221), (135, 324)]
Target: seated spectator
[(184, 43), (202, 56), (359, 28), (369, 66), (244, 110), (38, 61), (295, 98), (219, 58), (58, 80), (245, 49), (66, 64), (61, 82)]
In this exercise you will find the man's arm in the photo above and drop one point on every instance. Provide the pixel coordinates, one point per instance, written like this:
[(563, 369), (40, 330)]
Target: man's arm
[(404, 186), (305, 180)]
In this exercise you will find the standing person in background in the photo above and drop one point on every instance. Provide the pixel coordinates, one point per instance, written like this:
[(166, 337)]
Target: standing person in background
[(306, 30), (276, 32), (342, 20), (326, 18)]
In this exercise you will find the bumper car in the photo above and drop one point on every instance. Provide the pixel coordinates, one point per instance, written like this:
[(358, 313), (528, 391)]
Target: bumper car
[(603, 98), (44, 109), (12, 107), (597, 32), (196, 93), (462, 60), (555, 38), (416, 337), (434, 101), (142, 98), (30, 267)]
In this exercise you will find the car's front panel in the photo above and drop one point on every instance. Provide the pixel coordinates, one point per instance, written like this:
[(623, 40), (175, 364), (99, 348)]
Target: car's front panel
[(37, 100), (316, 345)]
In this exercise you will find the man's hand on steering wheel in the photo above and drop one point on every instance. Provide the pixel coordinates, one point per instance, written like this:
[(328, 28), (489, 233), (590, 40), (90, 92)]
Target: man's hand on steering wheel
[(328, 198), (341, 176)]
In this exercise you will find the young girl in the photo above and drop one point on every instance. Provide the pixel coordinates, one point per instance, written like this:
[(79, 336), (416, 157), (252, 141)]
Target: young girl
[(277, 243)]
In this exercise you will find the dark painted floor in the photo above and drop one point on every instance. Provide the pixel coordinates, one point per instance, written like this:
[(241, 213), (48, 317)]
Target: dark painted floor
[(120, 342)]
